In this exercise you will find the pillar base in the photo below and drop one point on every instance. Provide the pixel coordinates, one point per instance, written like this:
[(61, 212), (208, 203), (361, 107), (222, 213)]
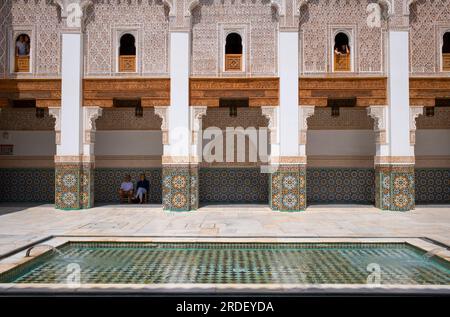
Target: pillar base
[(394, 185), (180, 187), (288, 188), (74, 186)]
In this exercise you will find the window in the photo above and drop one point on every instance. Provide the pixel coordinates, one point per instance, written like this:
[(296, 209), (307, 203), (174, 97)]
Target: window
[(342, 53), (22, 52), (233, 52), (446, 52), (127, 54)]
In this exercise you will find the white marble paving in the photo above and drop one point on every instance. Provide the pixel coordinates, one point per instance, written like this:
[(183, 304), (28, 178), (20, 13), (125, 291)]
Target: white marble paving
[(30, 223)]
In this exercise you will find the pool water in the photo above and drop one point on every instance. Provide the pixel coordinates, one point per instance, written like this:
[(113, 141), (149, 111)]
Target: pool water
[(242, 263)]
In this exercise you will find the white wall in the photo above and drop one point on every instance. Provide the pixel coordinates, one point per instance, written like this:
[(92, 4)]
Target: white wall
[(128, 143), (341, 142), (320, 142), (31, 143), (432, 142)]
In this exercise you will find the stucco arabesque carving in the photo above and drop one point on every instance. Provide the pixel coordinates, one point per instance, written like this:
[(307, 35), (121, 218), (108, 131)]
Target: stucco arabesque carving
[(271, 113), (55, 112), (278, 4), (163, 113), (197, 112), (386, 3), (72, 11), (414, 113), (379, 114), (91, 114), (304, 112)]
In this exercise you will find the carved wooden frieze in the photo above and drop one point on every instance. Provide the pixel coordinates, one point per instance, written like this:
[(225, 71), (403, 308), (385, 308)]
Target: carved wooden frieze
[(209, 91), (368, 91), (47, 92), (152, 91), (423, 91)]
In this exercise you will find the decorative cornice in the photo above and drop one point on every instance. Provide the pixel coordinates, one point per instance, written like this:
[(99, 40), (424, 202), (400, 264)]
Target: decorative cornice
[(289, 160), (177, 160), (74, 159), (394, 160)]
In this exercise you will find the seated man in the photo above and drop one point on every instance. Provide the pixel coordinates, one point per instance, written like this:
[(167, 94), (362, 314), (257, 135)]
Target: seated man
[(126, 189), (142, 187)]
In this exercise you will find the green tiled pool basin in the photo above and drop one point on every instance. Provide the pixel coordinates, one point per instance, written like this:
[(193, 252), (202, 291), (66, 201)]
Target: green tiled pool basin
[(241, 263)]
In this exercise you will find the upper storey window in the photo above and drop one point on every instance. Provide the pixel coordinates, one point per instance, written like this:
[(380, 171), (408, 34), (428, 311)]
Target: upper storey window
[(342, 53), (22, 54), (233, 52), (127, 54), (446, 52)]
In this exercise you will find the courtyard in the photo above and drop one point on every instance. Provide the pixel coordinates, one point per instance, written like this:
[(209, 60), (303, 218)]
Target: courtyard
[(22, 225)]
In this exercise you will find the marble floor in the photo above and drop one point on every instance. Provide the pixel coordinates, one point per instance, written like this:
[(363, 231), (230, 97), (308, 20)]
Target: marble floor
[(24, 224)]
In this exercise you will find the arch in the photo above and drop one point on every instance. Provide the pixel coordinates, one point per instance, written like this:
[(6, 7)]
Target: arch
[(387, 3), (233, 43), (279, 5), (446, 42), (445, 51), (191, 4), (407, 6), (127, 44), (172, 8), (300, 4), (233, 51), (342, 51), (127, 53), (22, 53)]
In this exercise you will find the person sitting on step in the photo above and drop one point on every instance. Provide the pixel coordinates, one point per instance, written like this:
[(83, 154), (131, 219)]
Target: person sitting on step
[(126, 189), (142, 187)]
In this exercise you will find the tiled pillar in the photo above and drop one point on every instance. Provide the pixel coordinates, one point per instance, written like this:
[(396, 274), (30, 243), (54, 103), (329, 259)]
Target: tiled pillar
[(394, 187), (180, 166), (180, 187), (288, 178), (394, 161), (288, 187), (73, 166)]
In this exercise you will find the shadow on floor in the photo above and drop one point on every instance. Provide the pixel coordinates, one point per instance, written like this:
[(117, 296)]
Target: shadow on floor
[(7, 208)]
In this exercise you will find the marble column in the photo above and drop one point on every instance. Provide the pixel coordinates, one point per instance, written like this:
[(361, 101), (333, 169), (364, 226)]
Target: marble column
[(394, 162), (180, 170), (288, 178), (73, 167)]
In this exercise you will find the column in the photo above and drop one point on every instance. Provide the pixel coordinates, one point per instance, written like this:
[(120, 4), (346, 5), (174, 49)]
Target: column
[(180, 172), (73, 169), (288, 180), (394, 163)]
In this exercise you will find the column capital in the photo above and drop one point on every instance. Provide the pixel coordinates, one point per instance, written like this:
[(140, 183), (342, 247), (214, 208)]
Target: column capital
[(163, 113), (73, 13), (303, 114), (90, 114), (414, 113), (379, 114), (55, 112)]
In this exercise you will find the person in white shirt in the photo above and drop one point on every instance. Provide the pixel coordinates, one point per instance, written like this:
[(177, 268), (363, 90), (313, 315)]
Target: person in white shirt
[(126, 189)]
